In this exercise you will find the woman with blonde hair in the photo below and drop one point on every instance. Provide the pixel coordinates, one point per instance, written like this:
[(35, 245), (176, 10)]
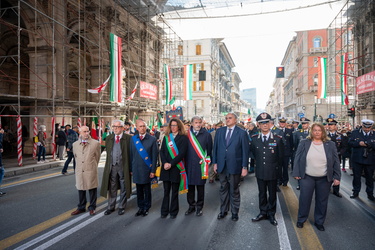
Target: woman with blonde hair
[(316, 165), (173, 174)]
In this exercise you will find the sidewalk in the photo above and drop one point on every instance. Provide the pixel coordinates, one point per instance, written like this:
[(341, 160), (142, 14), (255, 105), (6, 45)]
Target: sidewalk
[(29, 165)]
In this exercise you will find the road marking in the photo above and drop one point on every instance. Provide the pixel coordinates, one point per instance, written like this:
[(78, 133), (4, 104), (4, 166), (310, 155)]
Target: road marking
[(17, 183), (306, 236), (281, 229)]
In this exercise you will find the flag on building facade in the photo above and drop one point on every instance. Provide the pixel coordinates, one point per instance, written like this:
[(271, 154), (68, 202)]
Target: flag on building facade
[(168, 84), (344, 79), (132, 93), (188, 82), (100, 88), (322, 78), (159, 119), (115, 64)]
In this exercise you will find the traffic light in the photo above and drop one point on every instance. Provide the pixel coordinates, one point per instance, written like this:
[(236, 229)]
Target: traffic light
[(280, 72), (351, 112)]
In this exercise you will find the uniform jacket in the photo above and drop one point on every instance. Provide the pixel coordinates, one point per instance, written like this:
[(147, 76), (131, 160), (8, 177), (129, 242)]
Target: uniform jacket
[(139, 169), (358, 151), (235, 155), (87, 158), (193, 168), (287, 140), (173, 174), (268, 155), (333, 162), (336, 138), (125, 148), (297, 137)]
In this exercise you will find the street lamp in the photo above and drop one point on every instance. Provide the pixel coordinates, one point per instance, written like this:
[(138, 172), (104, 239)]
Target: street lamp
[(315, 97)]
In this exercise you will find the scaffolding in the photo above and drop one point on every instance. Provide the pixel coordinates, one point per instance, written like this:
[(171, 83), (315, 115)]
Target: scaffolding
[(53, 51)]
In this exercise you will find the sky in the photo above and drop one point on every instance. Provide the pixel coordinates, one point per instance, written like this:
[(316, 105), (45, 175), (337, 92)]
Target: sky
[(257, 43)]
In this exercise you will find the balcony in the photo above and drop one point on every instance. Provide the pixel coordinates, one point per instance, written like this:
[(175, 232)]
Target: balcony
[(318, 50)]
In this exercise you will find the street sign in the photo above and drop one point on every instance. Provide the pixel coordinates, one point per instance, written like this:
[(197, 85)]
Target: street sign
[(300, 115), (332, 116)]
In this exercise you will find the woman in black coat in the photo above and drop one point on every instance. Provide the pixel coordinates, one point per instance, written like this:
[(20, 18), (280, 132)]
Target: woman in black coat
[(170, 174)]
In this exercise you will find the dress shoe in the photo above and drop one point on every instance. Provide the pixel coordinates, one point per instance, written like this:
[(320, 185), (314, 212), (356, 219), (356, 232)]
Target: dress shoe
[(92, 212), (139, 213), (354, 195), (319, 227), (234, 217), (173, 216), (300, 224), (121, 211), (337, 194), (199, 212), (78, 211), (298, 187), (163, 216), (190, 210), (145, 213), (259, 217), (272, 220), (371, 197), (211, 181), (222, 215), (108, 211)]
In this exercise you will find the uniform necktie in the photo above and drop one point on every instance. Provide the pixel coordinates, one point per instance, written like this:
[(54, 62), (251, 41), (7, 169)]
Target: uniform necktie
[(264, 138), (117, 139), (228, 136)]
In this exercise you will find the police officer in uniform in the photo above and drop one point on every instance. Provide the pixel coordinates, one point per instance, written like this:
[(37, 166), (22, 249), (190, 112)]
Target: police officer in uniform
[(362, 142), (336, 138), (300, 135), (268, 149), (287, 135)]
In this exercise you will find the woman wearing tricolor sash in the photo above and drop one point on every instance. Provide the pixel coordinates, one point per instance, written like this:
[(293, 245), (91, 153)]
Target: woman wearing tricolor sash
[(173, 174)]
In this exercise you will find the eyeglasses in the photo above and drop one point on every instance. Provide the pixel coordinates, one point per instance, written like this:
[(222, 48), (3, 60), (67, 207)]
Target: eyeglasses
[(116, 126), (227, 118)]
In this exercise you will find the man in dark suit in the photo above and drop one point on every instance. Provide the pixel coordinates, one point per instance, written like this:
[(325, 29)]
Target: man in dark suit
[(362, 142), (336, 138), (230, 159), (268, 149), (117, 168), (143, 158), (287, 135)]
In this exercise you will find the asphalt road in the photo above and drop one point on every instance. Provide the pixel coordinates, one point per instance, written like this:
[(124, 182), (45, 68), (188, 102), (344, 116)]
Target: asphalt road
[(35, 214)]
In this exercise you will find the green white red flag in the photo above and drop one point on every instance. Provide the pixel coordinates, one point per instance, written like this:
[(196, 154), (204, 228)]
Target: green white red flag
[(188, 82), (168, 84), (322, 78), (115, 64), (344, 79)]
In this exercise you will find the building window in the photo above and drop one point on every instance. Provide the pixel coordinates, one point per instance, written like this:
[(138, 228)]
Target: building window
[(317, 42), (315, 62), (198, 49), (315, 79), (180, 50)]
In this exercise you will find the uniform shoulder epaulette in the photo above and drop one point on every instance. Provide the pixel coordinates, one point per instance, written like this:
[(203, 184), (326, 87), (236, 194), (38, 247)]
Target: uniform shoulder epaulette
[(254, 135), (274, 128), (279, 136), (301, 130)]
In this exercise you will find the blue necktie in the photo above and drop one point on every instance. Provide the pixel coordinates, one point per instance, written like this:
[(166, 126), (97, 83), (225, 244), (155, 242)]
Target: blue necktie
[(228, 136)]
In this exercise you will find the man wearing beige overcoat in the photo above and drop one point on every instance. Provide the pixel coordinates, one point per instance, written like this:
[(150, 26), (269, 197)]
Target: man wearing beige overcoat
[(86, 152)]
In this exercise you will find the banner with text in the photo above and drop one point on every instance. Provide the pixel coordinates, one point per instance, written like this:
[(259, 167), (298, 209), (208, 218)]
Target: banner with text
[(148, 90), (366, 83)]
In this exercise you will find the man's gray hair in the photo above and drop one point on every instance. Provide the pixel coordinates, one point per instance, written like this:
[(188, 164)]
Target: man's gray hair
[(141, 120), (121, 122), (196, 118), (234, 114)]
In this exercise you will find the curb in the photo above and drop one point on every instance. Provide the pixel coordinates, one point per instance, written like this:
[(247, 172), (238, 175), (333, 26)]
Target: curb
[(9, 172)]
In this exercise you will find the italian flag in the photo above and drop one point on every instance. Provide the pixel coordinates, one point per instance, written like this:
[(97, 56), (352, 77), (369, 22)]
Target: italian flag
[(168, 84), (322, 78), (344, 79), (188, 82), (115, 63)]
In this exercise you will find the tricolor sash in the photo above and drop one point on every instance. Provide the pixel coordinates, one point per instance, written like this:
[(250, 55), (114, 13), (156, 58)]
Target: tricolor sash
[(144, 155), (202, 154), (173, 152)]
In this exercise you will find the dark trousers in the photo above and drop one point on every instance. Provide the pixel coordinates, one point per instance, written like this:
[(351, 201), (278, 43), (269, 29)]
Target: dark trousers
[(252, 165), (267, 205), (67, 162), (200, 196), (170, 201), (116, 176), (230, 192), (283, 171), (144, 196), (83, 200), (321, 186), (357, 173), (41, 152)]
